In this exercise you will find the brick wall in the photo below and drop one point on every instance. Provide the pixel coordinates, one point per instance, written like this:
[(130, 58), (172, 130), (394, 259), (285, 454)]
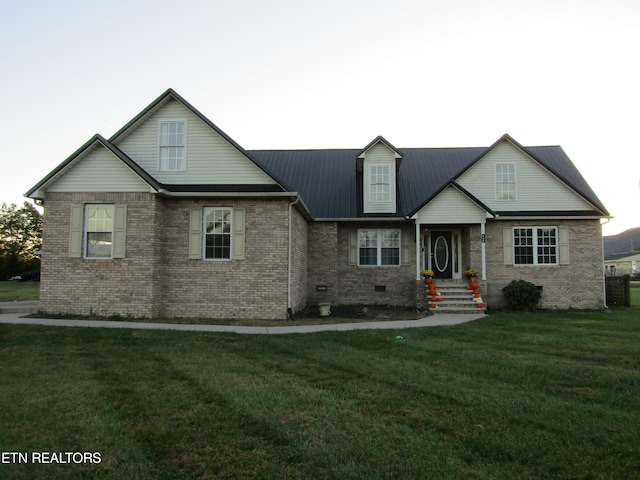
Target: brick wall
[(578, 285), (357, 285), (299, 271), (156, 278), (323, 257), (255, 287), (125, 287)]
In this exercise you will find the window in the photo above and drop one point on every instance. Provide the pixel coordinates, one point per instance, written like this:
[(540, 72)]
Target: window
[(217, 233), (505, 181), (173, 144), (379, 183), (99, 231), (378, 247), (535, 245)]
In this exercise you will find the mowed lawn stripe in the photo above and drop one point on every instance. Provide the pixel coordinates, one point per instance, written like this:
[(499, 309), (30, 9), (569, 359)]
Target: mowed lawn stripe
[(509, 396)]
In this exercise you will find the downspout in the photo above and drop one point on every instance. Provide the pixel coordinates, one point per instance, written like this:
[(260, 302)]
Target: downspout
[(483, 236), (418, 250), (604, 280), (289, 308)]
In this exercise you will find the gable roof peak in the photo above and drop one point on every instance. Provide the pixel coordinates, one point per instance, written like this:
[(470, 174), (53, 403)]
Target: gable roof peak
[(385, 142)]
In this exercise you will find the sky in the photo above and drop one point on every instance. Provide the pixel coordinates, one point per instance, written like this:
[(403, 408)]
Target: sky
[(289, 74)]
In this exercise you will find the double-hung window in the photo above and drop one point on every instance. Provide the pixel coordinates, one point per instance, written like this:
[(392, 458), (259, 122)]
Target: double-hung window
[(217, 233), (379, 186), (172, 145), (378, 247), (505, 180), (99, 231), (535, 245)]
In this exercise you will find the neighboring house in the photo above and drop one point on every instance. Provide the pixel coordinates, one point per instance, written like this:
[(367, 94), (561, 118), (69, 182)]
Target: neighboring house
[(622, 264), (170, 217)]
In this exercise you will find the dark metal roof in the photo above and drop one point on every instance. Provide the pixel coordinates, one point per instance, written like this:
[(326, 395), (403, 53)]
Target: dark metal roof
[(328, 181)]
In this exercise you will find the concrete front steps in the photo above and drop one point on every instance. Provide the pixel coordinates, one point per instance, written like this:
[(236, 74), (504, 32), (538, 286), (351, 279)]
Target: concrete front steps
[(455, 298)]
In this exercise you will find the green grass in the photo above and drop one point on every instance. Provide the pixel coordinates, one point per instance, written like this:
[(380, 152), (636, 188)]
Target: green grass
[(510, 396), (19, 291)]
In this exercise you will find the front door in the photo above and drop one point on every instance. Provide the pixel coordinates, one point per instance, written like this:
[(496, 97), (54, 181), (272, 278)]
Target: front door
[(442, 254)]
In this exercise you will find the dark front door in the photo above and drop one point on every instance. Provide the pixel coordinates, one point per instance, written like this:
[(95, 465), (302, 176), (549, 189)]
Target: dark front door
[(441, 254)]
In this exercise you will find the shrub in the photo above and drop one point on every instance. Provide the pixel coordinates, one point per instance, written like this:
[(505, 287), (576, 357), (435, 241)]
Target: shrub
[(522, 295)]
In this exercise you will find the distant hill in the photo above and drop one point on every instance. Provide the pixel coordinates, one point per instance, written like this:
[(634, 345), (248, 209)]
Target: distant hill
[(624, 242)]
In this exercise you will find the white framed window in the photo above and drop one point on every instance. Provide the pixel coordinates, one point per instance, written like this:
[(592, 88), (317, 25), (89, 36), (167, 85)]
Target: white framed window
[(98, 236), (379, 183), (535, 246), (217, 233), (505, 181), (378, 247), (172, 145)]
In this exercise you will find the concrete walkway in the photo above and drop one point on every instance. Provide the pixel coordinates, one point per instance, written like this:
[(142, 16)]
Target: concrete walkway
[(433, 321)]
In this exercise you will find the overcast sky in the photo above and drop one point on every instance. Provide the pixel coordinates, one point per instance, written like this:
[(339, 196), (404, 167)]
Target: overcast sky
[(287, 74)]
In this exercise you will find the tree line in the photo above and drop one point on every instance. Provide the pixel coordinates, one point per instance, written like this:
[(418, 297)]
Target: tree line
[(20, 240)]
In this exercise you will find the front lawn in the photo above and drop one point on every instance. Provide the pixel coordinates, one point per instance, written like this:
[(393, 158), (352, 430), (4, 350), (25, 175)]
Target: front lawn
[(508, 396), (12, 291)]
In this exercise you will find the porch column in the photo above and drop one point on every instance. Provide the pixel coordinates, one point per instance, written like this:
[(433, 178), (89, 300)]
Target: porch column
[(484, 250), (418, 251)]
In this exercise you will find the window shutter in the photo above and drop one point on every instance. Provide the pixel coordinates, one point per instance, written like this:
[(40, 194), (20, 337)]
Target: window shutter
[(353, 248), (75, 232), (564, 245), (195, 234), (237, 236), (119, 231), (406, 248), (507, 245)]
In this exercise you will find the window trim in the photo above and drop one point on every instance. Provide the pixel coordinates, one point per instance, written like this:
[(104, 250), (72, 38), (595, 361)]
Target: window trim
[(379, 246), (535, 245), (496, 183), (204, 233), (388, 183), (184, 145), (85, 228)]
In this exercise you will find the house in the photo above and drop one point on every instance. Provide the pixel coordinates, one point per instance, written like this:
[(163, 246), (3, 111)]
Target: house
[(170, 217), (622, 264)]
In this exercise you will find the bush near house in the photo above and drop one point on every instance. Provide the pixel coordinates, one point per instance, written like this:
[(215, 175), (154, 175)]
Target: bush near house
[(522, 295)]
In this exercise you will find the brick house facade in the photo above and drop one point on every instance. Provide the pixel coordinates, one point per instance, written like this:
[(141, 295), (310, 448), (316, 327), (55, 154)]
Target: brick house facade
[(171, 218)]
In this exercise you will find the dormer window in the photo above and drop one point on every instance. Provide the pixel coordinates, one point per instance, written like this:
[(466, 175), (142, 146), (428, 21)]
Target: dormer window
[(380, 181), (173, 145)]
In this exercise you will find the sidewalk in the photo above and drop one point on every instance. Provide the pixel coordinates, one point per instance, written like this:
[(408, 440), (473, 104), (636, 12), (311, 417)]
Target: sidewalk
[(433, 321)]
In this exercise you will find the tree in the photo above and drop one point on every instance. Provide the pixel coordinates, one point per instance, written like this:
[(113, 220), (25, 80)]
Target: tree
[(20, 239)]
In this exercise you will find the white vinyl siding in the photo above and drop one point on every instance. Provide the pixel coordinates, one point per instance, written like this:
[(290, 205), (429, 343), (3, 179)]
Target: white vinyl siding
[(537, 190), (379, 180), (450, 206), (99, 170), (211, 159)]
